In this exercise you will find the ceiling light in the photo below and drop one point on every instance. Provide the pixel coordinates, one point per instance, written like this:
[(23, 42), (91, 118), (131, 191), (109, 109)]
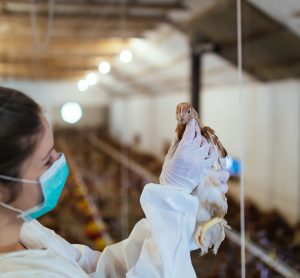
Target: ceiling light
[(125, 56), (82, 85), (104, 67), (71, 112)]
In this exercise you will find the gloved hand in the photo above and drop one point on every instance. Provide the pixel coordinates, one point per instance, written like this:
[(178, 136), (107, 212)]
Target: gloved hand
[(187, 165), (222, 176)]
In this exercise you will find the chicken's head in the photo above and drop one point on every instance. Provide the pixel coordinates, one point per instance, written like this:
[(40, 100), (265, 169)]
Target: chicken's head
[(185, 112)]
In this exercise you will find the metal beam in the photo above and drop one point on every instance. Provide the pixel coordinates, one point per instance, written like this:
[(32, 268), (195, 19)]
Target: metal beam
[(197, 51), (195, 79), (25, 32), (98, 5), (88, 16), (81, 21)]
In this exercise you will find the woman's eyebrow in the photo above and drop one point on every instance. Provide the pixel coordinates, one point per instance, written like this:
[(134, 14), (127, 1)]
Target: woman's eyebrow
[(48, 153)]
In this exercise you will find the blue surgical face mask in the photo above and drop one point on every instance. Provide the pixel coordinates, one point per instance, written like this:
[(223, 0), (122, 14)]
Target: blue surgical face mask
[(52, 183)]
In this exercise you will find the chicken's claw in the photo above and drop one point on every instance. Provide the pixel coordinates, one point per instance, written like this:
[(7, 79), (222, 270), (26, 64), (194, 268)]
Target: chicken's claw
[(202, 229)]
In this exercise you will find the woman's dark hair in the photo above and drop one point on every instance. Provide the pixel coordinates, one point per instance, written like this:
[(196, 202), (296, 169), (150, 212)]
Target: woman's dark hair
[(20, 128)]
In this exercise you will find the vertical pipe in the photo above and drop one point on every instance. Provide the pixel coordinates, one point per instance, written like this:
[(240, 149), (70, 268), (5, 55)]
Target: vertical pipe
[(242, 135), (298, 158), (195, 79)]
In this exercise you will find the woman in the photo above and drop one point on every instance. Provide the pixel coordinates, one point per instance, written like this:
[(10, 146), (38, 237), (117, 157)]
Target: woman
[(32, 176)]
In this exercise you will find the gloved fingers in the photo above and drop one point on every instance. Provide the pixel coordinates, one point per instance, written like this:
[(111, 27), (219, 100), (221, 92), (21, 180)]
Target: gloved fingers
[(197, 141), (212, 153), (174, 143), (198, 137), (208, 163), (201, 153), (172, 148), (223, 162), (222, 175), (204, 141), (197, 128), (224, 187), (189, 133)]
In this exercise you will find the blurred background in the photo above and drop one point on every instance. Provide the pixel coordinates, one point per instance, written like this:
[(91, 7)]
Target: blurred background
[(109, 75)]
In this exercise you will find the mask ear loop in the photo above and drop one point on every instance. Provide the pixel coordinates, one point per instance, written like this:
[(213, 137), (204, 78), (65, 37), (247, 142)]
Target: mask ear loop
[(12, 208), (18, 180), (21, 212)]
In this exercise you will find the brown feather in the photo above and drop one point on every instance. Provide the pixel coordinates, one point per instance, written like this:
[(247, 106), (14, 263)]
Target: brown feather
[(180, 130), (214, 208), (210, 134)]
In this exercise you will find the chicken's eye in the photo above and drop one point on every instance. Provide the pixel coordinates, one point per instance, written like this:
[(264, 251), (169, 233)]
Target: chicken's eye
[(189, 112)]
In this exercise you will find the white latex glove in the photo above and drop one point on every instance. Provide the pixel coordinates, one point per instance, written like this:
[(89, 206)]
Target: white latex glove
[(187, 165), (222, 176)]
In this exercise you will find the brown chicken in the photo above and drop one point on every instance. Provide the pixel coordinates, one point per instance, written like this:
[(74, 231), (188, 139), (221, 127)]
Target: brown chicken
[(184, 113), (210, 223)]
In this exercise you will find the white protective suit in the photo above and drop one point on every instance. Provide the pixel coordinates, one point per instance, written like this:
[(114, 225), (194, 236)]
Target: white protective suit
[(158, 246)]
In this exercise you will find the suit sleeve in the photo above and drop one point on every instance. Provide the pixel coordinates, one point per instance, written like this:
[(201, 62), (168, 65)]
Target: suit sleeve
[(160, 244)]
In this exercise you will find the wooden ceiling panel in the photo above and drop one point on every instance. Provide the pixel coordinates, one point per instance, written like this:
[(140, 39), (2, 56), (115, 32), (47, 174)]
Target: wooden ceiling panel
[(38, 73), (83, 33)]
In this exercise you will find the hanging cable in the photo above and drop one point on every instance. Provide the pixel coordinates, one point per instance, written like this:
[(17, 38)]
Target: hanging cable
[(124, 149), (42, 45), (242, 138), (298, 155), (124, 179), (124, 194)]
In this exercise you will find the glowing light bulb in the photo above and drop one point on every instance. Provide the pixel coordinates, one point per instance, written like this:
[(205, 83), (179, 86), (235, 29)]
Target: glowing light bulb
[(104, 67), (71, 112), (125, 56), (91, 79), (82, 85)]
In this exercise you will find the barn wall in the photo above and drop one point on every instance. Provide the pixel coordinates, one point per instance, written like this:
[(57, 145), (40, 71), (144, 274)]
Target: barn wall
[(52, 95)]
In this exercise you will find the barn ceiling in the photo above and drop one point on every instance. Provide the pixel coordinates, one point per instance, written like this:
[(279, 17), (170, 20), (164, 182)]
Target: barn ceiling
[(65, 39), (85, 32)]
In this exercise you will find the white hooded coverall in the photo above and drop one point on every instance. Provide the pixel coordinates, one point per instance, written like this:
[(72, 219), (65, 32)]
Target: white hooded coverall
[(158, 246)]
